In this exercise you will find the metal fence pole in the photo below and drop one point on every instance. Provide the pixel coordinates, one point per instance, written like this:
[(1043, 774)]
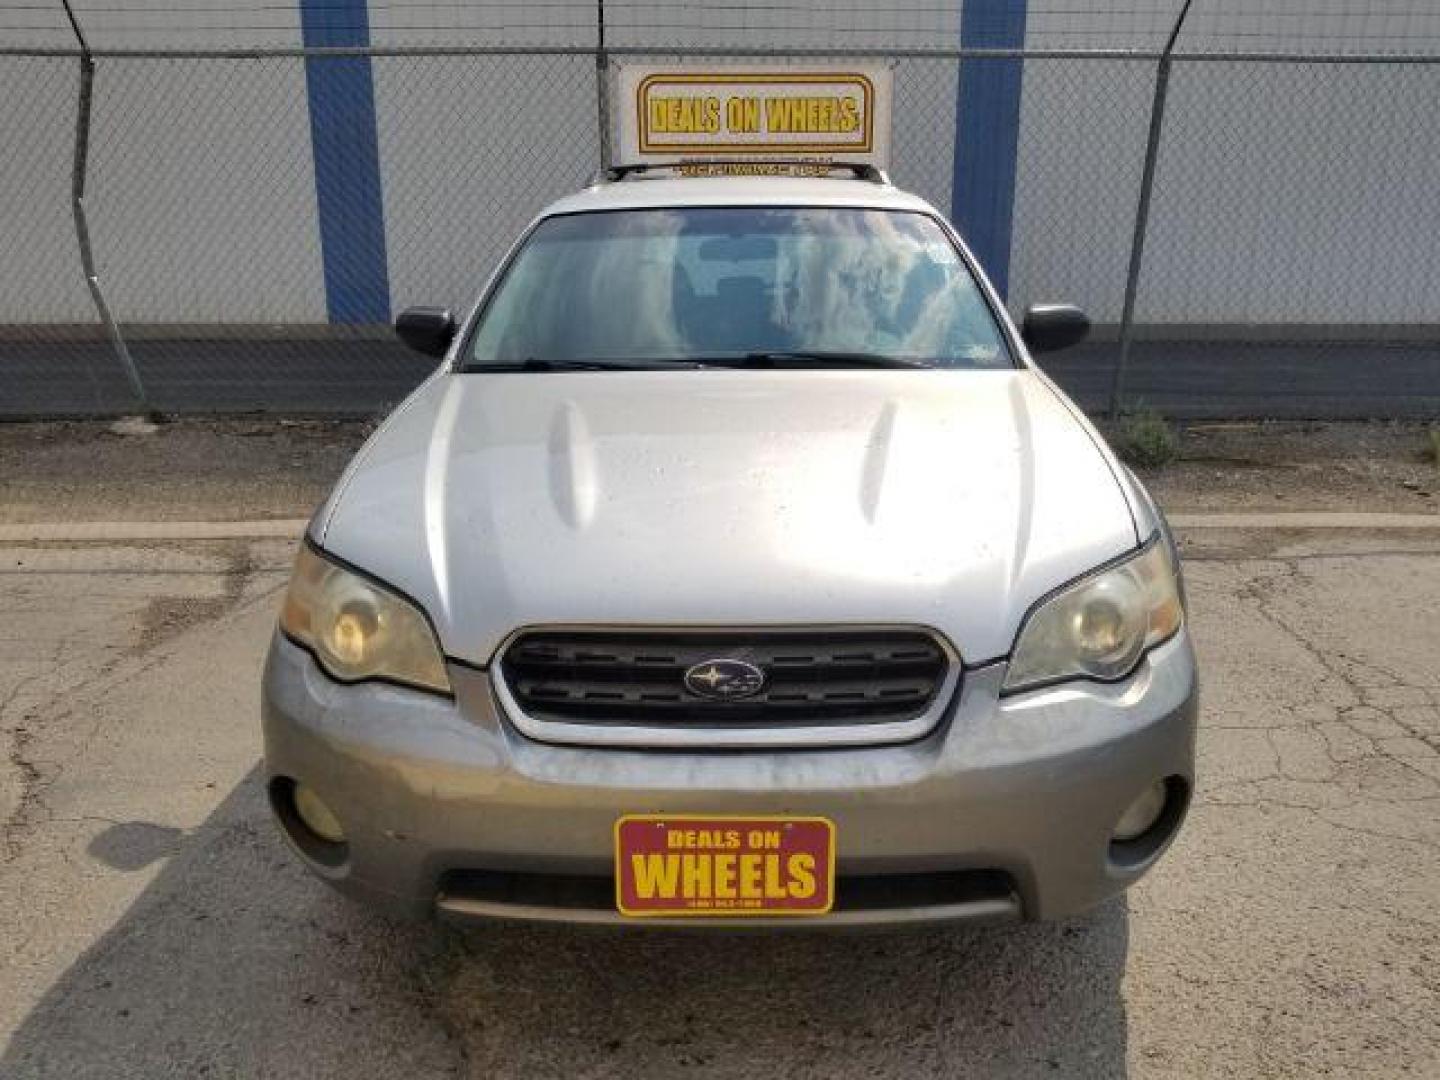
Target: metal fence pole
[(1142, 214), (82, 225), (602, 85)]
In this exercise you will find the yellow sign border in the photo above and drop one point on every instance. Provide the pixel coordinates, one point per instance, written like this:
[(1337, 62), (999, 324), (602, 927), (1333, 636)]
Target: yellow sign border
[(642, 126), (724, 913)]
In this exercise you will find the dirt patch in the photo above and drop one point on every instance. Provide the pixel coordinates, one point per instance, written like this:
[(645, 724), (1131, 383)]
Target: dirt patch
[(1300, 466), (166, 617), (184, 471)]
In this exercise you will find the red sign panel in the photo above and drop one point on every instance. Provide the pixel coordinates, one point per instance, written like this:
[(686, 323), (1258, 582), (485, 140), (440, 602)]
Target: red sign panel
[(724, 866)]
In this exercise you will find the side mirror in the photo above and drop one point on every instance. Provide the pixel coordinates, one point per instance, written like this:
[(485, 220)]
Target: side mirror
[(1048, 327), (426, 329)]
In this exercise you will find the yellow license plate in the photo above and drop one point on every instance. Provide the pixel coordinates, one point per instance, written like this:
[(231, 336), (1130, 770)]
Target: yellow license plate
[(698, 865)]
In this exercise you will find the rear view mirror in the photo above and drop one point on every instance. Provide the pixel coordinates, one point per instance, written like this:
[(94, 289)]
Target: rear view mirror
[(1048, 327), (426, 329), (737, 248)]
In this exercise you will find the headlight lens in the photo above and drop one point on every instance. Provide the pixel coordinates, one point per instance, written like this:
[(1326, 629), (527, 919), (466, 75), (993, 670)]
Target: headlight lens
[(1099, 627), (357, 629)]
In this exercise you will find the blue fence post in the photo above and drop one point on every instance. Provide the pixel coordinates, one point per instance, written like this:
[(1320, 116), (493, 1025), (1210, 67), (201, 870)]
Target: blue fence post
[(987, 133), (343, 139)]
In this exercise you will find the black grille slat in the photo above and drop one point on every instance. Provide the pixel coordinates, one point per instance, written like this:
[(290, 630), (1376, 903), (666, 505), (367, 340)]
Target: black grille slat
[(813, 677)]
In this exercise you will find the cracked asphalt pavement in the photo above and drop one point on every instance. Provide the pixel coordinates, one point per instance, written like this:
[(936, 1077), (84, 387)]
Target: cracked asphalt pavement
[(153, 924)]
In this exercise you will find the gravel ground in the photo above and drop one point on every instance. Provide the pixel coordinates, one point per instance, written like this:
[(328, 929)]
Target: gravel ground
[(181, 471), (1301, 466)]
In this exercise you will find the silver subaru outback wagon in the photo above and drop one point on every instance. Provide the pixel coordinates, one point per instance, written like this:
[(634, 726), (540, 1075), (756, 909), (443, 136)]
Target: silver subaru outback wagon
[(736, 565)]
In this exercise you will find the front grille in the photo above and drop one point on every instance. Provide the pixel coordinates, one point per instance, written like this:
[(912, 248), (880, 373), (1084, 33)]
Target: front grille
[(812, 677)]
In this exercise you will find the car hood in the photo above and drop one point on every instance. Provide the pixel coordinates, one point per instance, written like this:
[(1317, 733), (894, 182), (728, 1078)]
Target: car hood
[(952, 500)]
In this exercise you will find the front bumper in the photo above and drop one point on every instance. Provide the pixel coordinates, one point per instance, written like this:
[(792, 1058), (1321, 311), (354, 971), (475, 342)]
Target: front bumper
[(1025, 789)]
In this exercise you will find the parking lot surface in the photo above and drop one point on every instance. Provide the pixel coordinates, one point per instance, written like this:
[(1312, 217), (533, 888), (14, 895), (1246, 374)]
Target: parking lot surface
[(152, 923)]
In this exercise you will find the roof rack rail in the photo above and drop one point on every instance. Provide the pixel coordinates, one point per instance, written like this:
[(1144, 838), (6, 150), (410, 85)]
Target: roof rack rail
[(861, 170)]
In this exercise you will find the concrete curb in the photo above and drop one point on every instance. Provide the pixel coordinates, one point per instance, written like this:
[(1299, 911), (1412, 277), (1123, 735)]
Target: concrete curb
[(116, 531), (1305, 520)]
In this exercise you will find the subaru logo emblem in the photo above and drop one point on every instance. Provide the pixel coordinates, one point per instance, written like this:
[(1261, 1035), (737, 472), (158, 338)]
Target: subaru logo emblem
[(724, 679)]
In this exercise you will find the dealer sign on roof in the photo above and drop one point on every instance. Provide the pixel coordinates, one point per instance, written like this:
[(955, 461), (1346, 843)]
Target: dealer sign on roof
[(677, 114)]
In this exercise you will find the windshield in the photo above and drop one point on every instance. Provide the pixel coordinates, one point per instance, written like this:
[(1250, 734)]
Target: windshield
[(779, 285)]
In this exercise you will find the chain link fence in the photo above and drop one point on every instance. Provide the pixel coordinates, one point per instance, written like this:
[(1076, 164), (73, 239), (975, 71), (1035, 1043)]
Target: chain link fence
[(1289, 243), (1251, 232)]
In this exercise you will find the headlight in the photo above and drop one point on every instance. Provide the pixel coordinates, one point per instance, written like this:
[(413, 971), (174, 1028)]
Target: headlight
[(358, 629), (1101, 626)]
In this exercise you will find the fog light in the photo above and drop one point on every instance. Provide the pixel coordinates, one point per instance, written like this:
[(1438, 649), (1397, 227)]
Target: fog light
[(1141, 814), (318, 817)]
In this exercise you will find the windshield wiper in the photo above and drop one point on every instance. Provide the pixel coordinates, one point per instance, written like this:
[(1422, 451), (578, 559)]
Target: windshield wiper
[(783, 358), (772, 359), (535, 363)]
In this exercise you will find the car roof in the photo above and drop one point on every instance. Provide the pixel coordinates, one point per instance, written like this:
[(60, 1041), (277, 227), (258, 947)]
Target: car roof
[(643, 192)]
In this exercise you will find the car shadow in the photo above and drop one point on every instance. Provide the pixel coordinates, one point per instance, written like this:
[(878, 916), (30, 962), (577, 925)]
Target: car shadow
[(234, 962)]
